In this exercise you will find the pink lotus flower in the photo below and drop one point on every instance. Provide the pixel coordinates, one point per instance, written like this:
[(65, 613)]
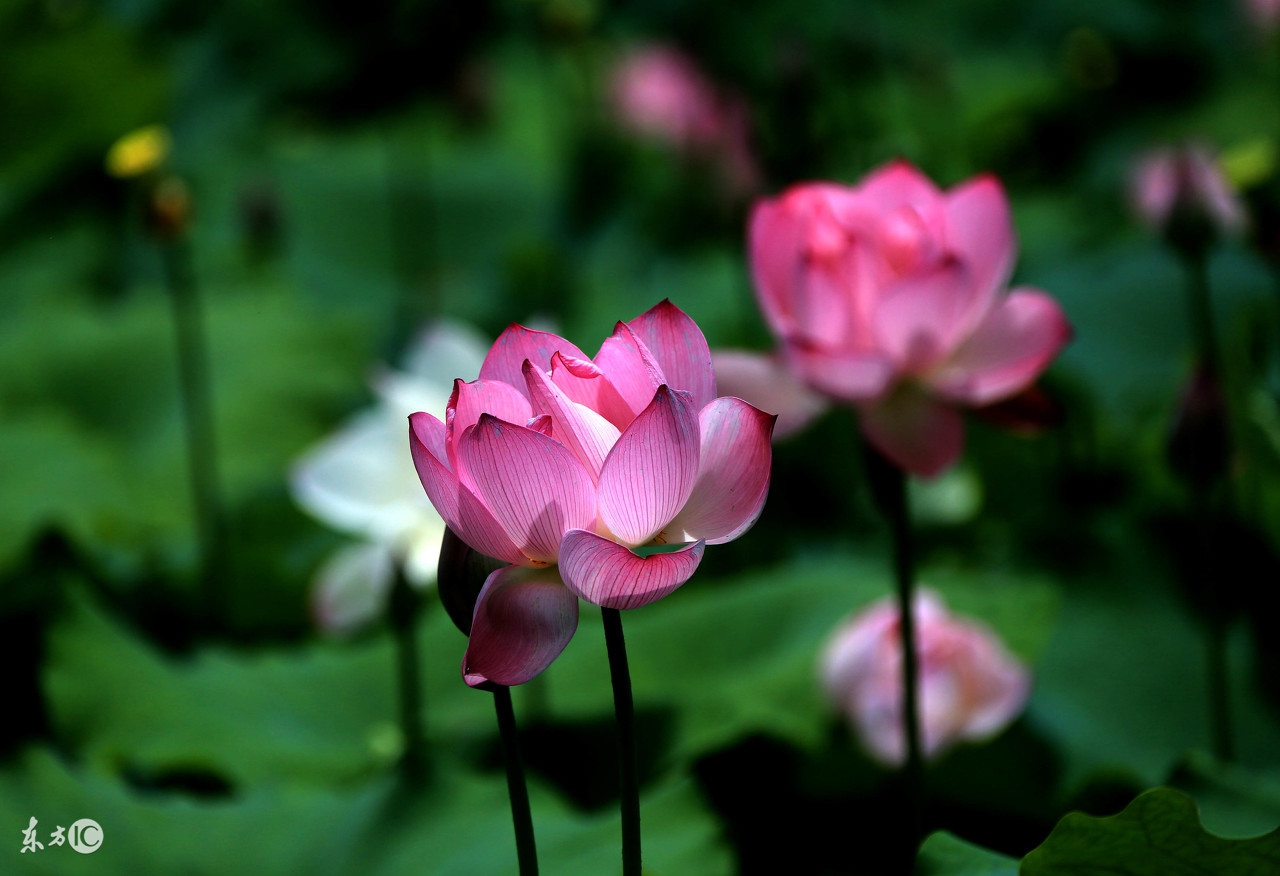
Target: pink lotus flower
[(658, 92), (1185, 179), (971, 688), (891, 296), (598, 478)]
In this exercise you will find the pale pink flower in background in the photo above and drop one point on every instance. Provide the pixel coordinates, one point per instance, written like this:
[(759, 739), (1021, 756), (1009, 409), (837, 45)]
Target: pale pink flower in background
[(971, 687), (1263, 14), (360, 481), (1184, 178), (602, 479), (892, 296), (659, 92)]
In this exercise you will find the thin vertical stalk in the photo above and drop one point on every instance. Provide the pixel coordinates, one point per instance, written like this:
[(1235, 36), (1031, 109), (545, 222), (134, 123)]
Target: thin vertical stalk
[(624, 712), (403, 609), (889, 488), (517, 790), (197, 410)]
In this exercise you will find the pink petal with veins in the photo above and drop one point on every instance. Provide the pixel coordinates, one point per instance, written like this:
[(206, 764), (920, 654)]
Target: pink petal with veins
[(533, 485), (517, 343), (651, 470), (586, 433), (606, 573), (680, 349), (523, 620)]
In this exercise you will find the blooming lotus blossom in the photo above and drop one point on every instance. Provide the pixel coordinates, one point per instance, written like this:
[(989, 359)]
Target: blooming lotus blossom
[(891, 296), (602, 479), (658, 92), (359, 481), (1184, 183), (971, 688)]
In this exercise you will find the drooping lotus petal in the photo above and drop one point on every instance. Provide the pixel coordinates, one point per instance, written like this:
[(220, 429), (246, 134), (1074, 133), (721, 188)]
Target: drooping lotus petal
[(631, 368), (1007, 352), (980, 229), (848, 375), (589, 435), (462, 511), (606, 573), (523, 619), (680, 349), (917, 433), (483, 396), (921, 318), (352, 587), (583, 382), (766, 382), (534, 486), (733, 472), (651, 470), (517, 343)]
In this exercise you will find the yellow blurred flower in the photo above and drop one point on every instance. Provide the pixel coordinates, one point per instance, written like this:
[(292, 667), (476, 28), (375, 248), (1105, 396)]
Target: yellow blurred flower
[(139, 152)]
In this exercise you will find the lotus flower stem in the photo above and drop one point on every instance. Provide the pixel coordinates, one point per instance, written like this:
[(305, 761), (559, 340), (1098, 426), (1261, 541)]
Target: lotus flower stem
[(624, 711), (889, 489), (197, 410), (517, 790), (403, 610)]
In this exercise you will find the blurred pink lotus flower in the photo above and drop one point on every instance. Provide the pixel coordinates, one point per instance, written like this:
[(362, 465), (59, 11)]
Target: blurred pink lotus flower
[(1184, 182), (891, 296), (1263, 14), (658, 92), (598, 478), (971, 688)]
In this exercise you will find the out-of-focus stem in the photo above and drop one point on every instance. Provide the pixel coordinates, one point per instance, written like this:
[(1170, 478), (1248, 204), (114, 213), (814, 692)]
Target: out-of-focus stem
[(624, 711), (403, 609), (517, 790), (197, 410)]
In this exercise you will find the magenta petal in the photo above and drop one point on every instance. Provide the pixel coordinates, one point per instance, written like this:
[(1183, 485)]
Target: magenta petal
[(768, 384), (606, 573), (775, 240), (897, 184), (1007, 352), (523, 619), (733, 472), (680, 348), (586, 433), (465, 514), (651, 470), (922, 318), (470, 400), (918, 434), (841, 374), (517, 343), (632, 369), (583, 381), (980, 231), (533, 485)]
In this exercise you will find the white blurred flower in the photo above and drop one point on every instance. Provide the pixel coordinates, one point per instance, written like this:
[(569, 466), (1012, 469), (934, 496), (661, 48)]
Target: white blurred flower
[(970, 686), (361, 480)]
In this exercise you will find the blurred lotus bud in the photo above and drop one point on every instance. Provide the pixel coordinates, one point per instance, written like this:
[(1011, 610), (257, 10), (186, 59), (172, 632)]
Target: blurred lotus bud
[(659, 93), (1263, 14), (1182, 193), (168, 207), (971, 687), (139, 152), (352, 588), (1199, 443), (460, 578)]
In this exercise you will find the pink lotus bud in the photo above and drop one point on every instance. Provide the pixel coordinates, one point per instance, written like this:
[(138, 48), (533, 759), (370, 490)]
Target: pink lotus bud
[(1182, 193), (892, 296), (971, 687)]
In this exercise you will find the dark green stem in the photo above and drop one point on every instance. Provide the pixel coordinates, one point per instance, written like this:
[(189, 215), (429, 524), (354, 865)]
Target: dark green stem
[(197, 410), (1221, 732), (521, 816), (403, 609), (889, 488), (624, 712), (1203, 324)]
